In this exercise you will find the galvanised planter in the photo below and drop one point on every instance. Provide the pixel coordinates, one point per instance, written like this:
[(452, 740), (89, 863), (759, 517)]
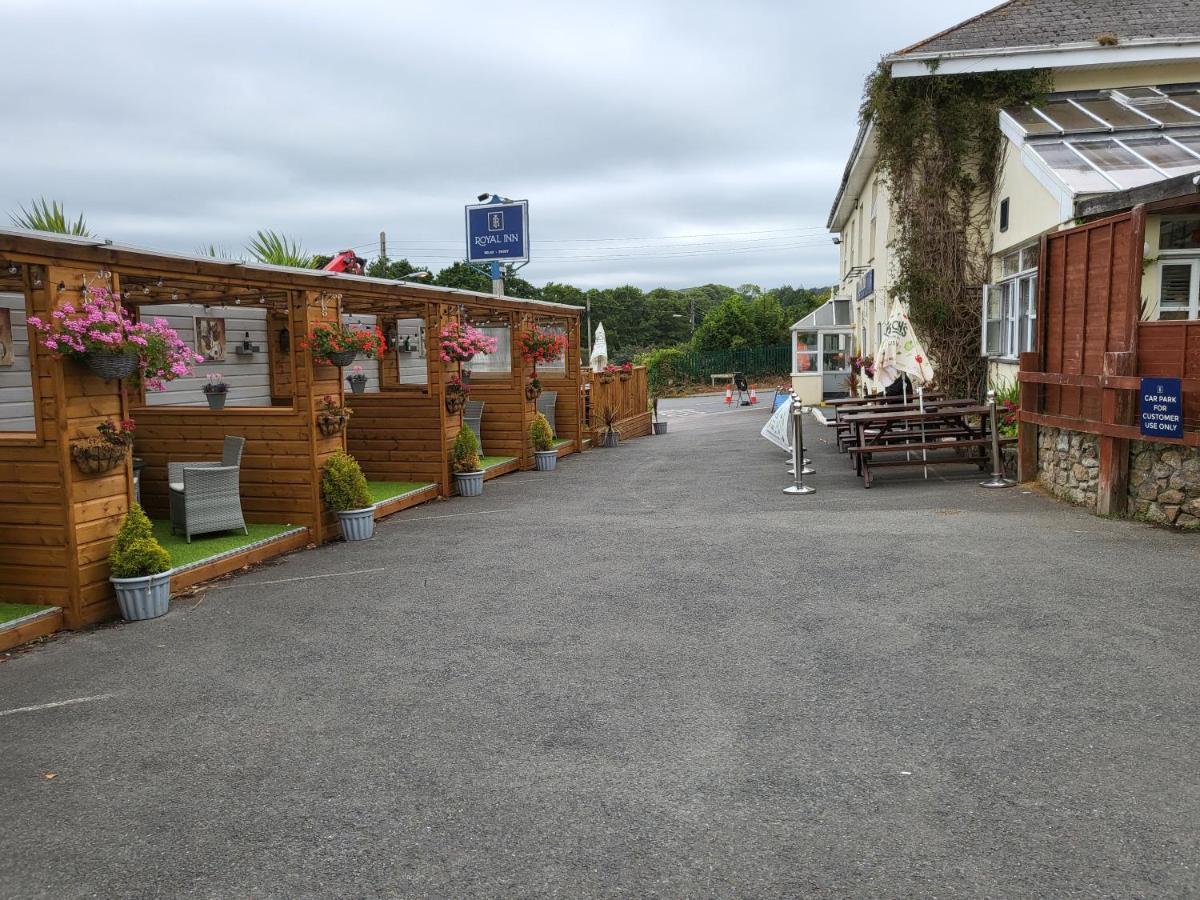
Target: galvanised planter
[(216, 399), (357, 524), (545, 460), (610, 439), (469, 484), (147, 597), (660, 427), (358, 384)]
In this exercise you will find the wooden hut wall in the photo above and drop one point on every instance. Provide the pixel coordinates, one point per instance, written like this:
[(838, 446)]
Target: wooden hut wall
[(568, 406)]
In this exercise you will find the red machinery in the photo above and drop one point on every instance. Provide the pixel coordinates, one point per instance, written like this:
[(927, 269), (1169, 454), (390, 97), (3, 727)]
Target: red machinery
[(347, 262)]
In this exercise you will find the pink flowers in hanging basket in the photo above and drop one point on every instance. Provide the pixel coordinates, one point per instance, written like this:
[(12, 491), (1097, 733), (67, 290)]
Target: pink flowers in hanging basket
[(460, 343), (102, 325)]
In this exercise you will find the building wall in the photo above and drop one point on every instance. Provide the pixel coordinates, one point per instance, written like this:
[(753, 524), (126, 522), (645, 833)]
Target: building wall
[(1126, 76), (248, 375), (16, 381)]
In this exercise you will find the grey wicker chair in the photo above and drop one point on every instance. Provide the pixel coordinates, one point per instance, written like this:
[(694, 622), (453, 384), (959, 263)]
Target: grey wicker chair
[(205, 496), (545, 405), (473, 418)]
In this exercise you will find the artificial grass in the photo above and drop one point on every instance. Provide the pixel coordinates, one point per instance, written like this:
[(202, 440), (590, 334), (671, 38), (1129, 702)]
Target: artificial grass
[(205, 545), (386, 490), (558, 443), (486, 462), (11, 611)]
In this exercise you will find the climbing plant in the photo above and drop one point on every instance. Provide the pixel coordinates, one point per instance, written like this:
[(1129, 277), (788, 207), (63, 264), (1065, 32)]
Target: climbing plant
[(940, 154)]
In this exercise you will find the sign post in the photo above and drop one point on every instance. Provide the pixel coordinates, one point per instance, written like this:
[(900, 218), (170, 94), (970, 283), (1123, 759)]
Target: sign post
[(497, 235), (1160, 403)]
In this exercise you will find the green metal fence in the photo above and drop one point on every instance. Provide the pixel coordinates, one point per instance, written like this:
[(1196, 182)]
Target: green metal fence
[(752, 361)]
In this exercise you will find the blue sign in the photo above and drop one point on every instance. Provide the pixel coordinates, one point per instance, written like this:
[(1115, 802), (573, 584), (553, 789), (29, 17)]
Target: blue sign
[(1161, 406), (866, 286), (780, 398), (498, 232)]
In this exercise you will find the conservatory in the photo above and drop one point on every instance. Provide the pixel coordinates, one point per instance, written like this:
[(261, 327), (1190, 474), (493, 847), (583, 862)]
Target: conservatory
[(822, 344)]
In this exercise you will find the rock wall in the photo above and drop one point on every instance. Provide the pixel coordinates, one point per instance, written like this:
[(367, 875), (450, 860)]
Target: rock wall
[(1164, 484), (1069, 465)]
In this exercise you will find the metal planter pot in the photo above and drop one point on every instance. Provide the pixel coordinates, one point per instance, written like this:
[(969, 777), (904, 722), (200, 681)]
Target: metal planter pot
[(545, 460), (357, 524), (610, 439), (111, 366), (469, 484), (357, 385), (216, 399), (660, 427), (143, 598)]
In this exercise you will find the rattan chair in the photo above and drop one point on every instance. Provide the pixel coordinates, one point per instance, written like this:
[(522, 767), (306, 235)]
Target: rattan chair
[(545, 405), (205, 495), (473, 419)]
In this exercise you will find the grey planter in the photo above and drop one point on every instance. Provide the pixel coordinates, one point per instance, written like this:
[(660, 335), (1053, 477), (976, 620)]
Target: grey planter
[(660, 427), (111, 366), (147, 597), (357, 524), (357, 385), (469, 484), (610, 439), (545, 460), (216, 399)]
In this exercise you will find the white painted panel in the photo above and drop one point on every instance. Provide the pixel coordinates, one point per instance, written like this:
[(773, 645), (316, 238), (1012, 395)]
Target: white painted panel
[(248, 376), (16, 381), (413, 367), (370, 365)]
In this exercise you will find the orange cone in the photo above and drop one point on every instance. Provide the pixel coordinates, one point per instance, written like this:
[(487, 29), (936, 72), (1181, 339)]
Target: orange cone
[(728, 395), (753, 395)]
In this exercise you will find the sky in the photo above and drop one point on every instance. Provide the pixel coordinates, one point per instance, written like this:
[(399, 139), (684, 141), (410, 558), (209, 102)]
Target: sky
[(658, 143)]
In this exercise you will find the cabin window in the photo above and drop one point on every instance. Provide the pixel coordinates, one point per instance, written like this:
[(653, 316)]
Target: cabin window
[(17, 414), (498, 363), (558, 365), (806, 352), (1179, 290), (1009, 316)]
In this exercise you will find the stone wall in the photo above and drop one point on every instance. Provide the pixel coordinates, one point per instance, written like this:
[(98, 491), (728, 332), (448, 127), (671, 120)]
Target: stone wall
[(1164, 484), (1069, 465)]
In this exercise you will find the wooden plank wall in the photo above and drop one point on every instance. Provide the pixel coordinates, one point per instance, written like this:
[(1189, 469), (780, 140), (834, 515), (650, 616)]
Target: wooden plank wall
[(395, 435), (1172, 349), (629, 398), (568, 406)]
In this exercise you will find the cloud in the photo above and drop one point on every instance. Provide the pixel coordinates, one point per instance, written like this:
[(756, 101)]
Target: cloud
[(176, 125)]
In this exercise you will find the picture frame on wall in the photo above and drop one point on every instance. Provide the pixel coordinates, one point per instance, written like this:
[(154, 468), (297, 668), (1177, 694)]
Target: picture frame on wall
[(7, 354), (210, 338)]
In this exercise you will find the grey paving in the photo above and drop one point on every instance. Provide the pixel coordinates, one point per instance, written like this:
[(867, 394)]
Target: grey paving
[(650, 673)]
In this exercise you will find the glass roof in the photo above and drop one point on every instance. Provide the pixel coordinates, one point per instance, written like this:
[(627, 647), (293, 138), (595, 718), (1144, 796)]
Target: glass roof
[(1099, 141)]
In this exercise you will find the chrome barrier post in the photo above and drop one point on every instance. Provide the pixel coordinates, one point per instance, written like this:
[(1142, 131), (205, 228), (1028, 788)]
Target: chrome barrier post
[(799, 469), (997, 480), (805, 461)]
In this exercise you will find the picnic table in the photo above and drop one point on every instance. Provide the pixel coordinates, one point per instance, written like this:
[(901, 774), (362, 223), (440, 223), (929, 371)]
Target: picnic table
[(844, 425), (945, 435), (840, 403)]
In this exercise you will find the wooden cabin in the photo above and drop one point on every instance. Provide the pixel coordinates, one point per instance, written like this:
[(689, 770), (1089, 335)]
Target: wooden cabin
[(57, 522)]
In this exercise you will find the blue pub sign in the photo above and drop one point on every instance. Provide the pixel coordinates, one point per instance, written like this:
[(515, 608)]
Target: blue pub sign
[(498, 232), (1161, 407)]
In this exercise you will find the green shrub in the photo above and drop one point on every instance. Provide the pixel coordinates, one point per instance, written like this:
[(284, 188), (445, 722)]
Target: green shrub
[(664, 370), (464, 455), (540, 433), (134, 554), (343, 484)]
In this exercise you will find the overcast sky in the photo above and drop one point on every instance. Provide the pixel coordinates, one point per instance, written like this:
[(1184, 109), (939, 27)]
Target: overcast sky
[(625, 125)]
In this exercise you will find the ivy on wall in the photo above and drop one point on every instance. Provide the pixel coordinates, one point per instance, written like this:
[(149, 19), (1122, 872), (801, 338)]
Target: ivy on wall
[(940, 152)]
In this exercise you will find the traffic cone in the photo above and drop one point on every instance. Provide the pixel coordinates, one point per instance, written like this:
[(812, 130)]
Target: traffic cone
[(753, 395), (728, 395)]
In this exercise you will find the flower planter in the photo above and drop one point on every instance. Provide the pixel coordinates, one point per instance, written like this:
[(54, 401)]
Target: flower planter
[(94, 457), (111, 366), (625, 376), (341, 358), (532, 392), (455, 403), (660, 427), (330, 424), (604, 378), (357, 384), (469, 484), (545, 460), (216, 399), (357, 524), (147, 597), (610, 439)]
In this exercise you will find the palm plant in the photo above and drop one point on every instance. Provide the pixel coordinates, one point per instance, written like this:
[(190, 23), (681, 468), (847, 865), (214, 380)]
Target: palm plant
[(278, 250), (49, 216), (216, 251)]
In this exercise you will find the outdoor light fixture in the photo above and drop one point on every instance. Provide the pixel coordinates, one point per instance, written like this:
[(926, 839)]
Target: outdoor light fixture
[(36, 271), (482, 197), (837, 240), (12, 268)]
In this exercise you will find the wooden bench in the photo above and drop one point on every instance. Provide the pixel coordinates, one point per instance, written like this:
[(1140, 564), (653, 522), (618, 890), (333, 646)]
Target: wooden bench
[(839, 404), (724, 376), (845, 434)]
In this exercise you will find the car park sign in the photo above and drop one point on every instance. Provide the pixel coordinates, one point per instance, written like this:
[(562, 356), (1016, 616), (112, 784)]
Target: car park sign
[(498, 232)]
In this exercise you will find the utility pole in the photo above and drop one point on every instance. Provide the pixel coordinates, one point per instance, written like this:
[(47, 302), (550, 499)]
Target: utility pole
[(589, 327), (383, 245)]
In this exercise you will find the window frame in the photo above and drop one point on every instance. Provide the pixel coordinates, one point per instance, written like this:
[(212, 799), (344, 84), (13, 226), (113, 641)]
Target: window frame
[(1190, 258), (1013, 300)]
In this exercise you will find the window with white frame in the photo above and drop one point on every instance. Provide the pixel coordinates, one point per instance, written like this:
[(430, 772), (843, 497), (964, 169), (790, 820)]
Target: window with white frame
[(804, 352), (1009, 315), (1179, 269)]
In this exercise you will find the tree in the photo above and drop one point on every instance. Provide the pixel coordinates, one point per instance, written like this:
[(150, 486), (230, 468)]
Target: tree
[(393, 269), (770, 322), (727, 326), (461, 276), (49, 217)]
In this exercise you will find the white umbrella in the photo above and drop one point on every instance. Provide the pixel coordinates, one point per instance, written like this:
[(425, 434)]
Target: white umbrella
[(599, 357), (901, 353)]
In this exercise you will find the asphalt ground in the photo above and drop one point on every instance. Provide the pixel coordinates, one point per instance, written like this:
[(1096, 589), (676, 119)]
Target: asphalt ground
[(650, 673)]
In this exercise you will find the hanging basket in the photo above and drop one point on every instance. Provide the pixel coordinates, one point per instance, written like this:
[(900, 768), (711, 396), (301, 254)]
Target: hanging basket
[(330, 424), (341, 358), (455, 403), (625, 376), (604, 377), (111, 366), (94, 457), (532, 392)]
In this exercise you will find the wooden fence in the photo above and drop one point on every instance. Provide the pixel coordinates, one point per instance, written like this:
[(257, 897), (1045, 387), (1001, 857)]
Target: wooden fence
[(629, 398)]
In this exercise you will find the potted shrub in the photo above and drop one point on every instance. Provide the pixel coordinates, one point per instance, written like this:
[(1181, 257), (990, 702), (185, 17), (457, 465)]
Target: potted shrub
[(140, 569), (344, 488), (464, 460), (357, 380), (106, 451), (338, 345), (659, 425), (610, 437), (215, 390), (102, 335), (332, 417), (542, 438)]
